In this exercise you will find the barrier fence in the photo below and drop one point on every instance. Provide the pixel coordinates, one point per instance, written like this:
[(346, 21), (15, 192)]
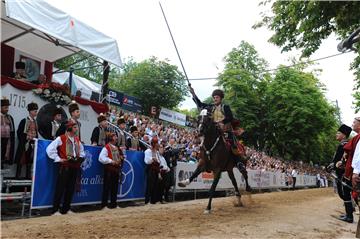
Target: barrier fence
[(258, 179), (133, 179)]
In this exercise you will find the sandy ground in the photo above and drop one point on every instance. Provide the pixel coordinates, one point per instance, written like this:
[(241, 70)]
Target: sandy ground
[(294, 214)]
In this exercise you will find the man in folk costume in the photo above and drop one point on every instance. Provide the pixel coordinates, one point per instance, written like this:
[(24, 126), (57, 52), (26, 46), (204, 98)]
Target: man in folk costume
[(352, 151), (342, 136), (121, 135), (68, 151), (133, 143), (222, 115), (112, 157), (98, 136), (52, 127), (19, 73), (56, 122), (156, 165), (7, 134), (27, 131), (74, 111)]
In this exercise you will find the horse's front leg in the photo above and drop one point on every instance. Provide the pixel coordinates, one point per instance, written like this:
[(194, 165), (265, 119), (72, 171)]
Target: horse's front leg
[(212, 190), (200, 168)]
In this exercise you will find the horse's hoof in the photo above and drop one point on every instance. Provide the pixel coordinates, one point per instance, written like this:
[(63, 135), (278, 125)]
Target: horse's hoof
[(248, 189), (238, 203), (184, 183), (207, 211)]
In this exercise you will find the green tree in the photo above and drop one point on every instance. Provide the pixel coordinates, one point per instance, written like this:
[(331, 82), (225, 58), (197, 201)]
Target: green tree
[(302, 123), (305, 24), (192, 112), (153, 82), (244, 84), (93, 71)]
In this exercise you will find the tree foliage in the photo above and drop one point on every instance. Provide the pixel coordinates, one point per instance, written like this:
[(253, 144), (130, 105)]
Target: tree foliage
[(302, 123), (286, 115), (305, 24), (244, 83), (93, 71), (153, 82)]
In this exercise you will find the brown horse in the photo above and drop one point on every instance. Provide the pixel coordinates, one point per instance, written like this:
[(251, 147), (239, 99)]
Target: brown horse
[(214, 156)]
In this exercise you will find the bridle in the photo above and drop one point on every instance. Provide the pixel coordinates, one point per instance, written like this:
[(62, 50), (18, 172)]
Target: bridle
[(207, 151)]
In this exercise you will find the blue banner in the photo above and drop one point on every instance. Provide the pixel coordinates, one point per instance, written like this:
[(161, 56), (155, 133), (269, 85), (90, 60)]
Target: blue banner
[(45, 174), (115, 97), (131, 103)]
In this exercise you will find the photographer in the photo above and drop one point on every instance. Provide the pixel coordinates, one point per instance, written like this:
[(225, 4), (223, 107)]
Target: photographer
[(171, 155)]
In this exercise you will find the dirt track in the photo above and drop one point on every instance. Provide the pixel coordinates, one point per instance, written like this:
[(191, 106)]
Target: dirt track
[(294, 214)]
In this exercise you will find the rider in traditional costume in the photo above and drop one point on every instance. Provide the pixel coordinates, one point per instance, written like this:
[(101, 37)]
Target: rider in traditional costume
[(222, 115)]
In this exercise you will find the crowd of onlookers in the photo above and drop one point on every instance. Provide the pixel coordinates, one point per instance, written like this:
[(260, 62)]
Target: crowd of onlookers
[(188, 141)]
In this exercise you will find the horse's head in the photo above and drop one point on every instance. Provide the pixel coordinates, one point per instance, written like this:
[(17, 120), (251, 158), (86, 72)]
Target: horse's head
[(205, 121)]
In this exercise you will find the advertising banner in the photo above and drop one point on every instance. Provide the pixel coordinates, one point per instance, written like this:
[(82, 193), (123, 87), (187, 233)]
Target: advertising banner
[(115, 97), (131, 103), (172, 116), (257, 179)]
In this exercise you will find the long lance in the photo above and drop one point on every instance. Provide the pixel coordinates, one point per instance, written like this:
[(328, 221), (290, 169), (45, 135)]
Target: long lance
[(173, 40)]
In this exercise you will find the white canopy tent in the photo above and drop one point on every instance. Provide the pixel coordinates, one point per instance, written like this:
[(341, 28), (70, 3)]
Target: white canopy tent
[(39, 29), (86, 86)]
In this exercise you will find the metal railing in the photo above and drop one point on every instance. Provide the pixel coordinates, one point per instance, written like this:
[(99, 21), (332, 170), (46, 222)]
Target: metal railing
[(115, 128)]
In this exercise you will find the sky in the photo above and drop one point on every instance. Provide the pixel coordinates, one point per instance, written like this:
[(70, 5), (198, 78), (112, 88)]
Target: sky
[(205, 31)]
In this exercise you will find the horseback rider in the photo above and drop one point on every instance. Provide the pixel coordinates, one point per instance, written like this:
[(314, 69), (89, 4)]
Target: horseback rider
[(222, 115)]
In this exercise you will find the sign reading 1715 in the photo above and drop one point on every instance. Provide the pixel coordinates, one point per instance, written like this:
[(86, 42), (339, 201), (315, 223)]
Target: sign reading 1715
[(18, 100)]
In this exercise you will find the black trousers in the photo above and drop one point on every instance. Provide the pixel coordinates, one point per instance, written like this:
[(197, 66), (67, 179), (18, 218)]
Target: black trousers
[(294, 182), (110, 186), (152, 193), (65, 187), (347, 198), (4, 142), (339, 187), (29, 158)]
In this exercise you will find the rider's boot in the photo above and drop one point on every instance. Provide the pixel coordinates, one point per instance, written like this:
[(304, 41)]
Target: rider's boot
[(242, 168)]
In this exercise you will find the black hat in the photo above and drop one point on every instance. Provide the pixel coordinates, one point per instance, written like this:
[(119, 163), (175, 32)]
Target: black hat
[(101, 118), (5, 102), (218, 92), (345, 130), (32, 106), (121, 120), (58, 111), (20, 65), (133, 129), (73, 106)]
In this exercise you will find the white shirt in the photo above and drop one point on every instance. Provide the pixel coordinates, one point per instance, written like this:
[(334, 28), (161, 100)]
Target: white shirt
[(355, 164), (52, 151), (148, 159), (104, 156), (294, 173)]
